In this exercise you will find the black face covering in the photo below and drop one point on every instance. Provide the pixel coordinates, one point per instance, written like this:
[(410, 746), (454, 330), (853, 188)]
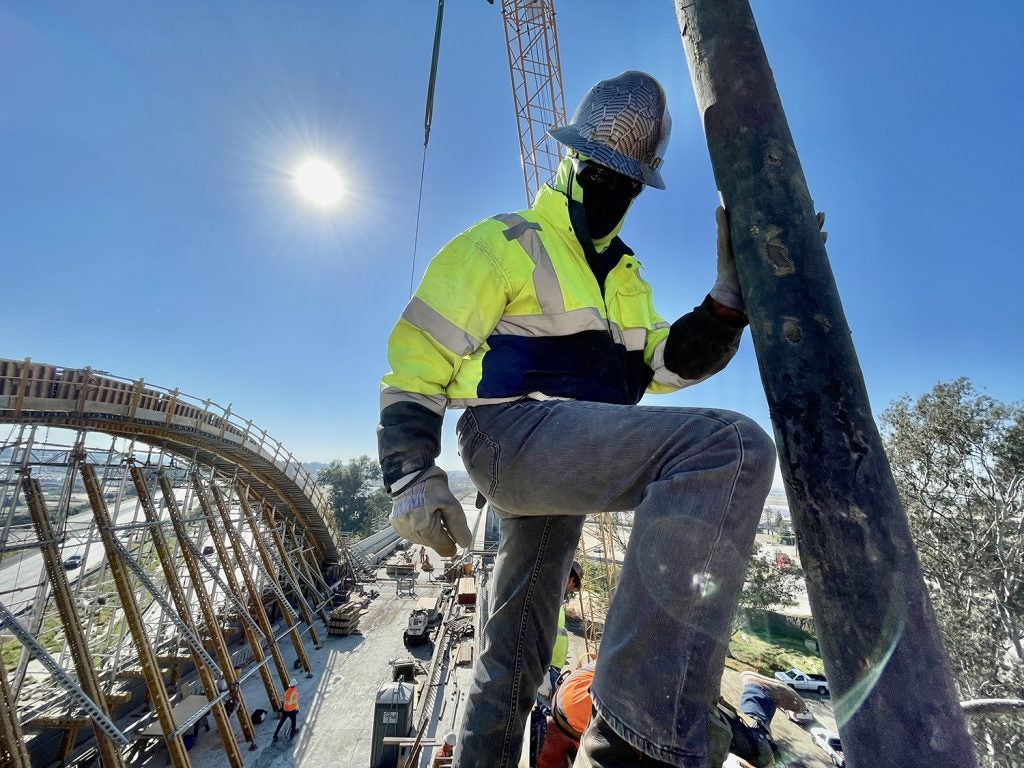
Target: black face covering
[(604, 209), (606, 197), (601, 209)]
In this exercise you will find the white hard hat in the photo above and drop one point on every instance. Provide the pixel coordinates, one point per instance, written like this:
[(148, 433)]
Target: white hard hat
[(450, 739), (623, 124), (292, 683)]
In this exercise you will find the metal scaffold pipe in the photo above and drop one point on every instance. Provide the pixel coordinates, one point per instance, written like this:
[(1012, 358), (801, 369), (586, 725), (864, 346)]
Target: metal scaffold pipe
[(894, 695)]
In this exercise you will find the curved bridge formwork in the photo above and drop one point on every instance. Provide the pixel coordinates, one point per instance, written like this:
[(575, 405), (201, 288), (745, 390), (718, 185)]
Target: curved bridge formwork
[(154, 550)]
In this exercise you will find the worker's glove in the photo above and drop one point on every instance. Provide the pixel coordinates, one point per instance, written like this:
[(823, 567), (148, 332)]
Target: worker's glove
[(545, 687), (427, 513), (727, 285)]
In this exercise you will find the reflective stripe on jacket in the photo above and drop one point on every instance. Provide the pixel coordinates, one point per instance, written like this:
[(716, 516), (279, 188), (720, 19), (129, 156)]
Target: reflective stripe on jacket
[(291, 700), (511, 308)]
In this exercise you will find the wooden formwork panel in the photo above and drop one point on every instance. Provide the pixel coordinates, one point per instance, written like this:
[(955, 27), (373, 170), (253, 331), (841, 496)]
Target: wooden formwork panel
[(68, 384), (113, 392), (41, 380), (10, 375)]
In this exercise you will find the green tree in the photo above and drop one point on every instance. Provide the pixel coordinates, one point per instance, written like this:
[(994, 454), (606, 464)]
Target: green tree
[(958, 460), (766, 586), (357, 494)]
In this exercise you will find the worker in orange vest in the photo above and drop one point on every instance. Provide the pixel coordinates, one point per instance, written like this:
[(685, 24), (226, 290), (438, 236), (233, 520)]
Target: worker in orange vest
[(570, 715), (289, 710), (747, 728)]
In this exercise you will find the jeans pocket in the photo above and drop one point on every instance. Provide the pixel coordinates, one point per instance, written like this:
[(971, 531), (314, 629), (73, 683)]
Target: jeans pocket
[(479, 454)]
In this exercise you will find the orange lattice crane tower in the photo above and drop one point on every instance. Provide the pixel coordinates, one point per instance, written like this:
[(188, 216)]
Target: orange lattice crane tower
[(536, 86), (536, 74)]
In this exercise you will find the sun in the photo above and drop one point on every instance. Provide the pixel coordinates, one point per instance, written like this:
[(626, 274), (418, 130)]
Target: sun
[(319, 182)]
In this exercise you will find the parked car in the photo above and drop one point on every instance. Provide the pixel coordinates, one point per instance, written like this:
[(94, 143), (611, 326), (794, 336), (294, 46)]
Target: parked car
[(72, 562), (799, 680), (829, 741)]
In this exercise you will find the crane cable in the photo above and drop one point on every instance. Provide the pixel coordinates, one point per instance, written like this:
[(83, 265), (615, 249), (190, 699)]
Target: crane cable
[(427, 117)]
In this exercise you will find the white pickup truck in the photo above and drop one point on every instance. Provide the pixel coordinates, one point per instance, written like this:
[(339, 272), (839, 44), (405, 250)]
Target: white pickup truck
[(799, 680)]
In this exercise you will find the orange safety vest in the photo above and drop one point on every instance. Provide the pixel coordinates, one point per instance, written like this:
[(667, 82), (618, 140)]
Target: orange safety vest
[(291, 700)]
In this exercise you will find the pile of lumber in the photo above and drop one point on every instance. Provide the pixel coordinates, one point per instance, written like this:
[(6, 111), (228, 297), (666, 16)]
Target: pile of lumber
[(344, 620)]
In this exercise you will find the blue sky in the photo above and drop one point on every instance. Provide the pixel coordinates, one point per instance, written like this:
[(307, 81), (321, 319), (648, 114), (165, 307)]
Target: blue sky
[(151, 225)]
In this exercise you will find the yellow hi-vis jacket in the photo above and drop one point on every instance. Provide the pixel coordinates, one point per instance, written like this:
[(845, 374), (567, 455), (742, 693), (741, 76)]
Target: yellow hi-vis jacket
[(560, 651), (511, 308)]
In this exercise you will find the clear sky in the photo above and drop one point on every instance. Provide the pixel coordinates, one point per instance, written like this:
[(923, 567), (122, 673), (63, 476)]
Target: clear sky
[(151, 224)]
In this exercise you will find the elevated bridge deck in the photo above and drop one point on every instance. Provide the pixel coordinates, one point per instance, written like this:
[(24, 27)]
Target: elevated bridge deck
[(81, 398)]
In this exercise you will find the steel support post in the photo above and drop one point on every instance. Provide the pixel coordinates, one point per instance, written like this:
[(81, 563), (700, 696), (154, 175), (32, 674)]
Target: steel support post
[(78, 645), (184, 608), (42, 589), (133, 617), (304, 609), (12, 747), (256, 599), (895, 699), (189, 554), (241, 493), (228, 571), (311, 575), (21, 668)]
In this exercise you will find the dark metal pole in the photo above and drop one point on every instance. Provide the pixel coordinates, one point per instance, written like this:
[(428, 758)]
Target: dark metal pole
[(894, 696)]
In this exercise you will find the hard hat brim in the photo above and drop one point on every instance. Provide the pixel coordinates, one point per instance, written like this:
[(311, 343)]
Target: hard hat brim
[(604, 155)]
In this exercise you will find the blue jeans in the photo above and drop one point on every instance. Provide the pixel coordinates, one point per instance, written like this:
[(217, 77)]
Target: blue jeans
[(758, 705), (696, 480)]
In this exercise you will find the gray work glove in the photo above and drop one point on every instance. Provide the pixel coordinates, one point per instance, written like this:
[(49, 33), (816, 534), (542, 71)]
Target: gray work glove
[(427, 513), (727, 285)]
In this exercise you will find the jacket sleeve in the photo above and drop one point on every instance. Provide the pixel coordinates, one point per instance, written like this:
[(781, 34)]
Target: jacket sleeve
[(458, 303), (702, 342), (696, 346)]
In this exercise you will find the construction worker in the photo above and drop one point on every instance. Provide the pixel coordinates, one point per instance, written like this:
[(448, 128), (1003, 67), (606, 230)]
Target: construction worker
[(443, 754), (539, 324), (289, 710), (571, 709), (751, 725), (559, 655), (749, 733), (560, 652)]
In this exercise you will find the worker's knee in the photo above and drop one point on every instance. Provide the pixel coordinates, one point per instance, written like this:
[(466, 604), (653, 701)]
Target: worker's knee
[(756, 447)]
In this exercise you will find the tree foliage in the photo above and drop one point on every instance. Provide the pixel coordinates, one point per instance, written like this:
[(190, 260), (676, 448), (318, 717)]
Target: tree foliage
[(356, 492), (766, 586), (958, 460)]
